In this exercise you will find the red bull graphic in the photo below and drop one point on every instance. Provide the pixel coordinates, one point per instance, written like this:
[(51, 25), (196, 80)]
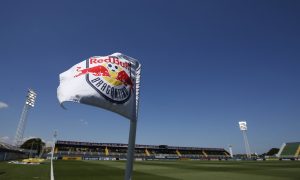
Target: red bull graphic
[(123, 77), (110, 76), (96, 71)]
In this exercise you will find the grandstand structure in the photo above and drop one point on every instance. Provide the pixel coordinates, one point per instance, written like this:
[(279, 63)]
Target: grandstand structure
[(117, 151), (289, 150), (9, 152)]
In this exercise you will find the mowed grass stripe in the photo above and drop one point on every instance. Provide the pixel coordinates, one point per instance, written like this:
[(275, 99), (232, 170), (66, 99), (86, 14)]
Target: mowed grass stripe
[(157, 170), (160, 172), (24, 172), (216, 169), (73, 170), (231, 170)]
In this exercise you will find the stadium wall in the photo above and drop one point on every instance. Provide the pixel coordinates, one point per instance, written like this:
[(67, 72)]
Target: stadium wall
[(6, 156)]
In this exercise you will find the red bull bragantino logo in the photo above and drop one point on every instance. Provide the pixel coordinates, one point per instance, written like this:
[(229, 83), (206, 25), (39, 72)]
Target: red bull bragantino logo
[(109, 76)]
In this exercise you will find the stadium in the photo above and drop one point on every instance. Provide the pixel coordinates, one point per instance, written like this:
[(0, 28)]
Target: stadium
[(9, 152), (89, 160), (150, 90), (76, 150), (117, 151)]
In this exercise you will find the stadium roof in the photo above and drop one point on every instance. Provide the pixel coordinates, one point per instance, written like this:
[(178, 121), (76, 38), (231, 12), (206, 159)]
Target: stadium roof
[(7, 147)]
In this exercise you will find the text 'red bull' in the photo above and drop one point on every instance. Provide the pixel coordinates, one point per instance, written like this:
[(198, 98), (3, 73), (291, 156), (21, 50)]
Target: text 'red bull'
[(110, 59)]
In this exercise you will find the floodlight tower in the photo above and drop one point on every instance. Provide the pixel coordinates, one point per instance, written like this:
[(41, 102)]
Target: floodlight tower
[(243, 128), (230, 151), (29, 103)]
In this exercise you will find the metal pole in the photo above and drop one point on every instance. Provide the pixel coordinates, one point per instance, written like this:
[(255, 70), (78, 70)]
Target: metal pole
[(246, 144), (31, 149), (52, 153), (21, 126), (130, 151), (133, 125), (230, 151)]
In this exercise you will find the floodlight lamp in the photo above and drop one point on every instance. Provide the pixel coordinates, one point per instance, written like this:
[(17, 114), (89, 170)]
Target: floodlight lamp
[(31, 96)]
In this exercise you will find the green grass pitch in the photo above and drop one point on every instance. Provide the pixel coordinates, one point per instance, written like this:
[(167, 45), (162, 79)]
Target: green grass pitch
[(156, 170)]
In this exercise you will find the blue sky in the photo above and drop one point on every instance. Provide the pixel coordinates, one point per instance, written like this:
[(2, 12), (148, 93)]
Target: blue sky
[(206, 66)]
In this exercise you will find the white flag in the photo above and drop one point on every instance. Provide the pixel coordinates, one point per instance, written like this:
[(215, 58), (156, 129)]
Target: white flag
[(109, 82), (243, 125)]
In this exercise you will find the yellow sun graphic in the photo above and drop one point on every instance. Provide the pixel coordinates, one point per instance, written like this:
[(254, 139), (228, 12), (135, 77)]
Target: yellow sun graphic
[(113, 70)]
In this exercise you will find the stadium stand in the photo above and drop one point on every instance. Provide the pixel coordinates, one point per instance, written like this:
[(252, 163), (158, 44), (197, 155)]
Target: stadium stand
[(87, 150), (272, 152), (9, 152), (290, 151)]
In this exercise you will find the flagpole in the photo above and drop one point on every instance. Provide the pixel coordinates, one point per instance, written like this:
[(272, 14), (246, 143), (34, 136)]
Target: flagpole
[(133, 125), (115, 102), (130, 151), (52, 153)]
